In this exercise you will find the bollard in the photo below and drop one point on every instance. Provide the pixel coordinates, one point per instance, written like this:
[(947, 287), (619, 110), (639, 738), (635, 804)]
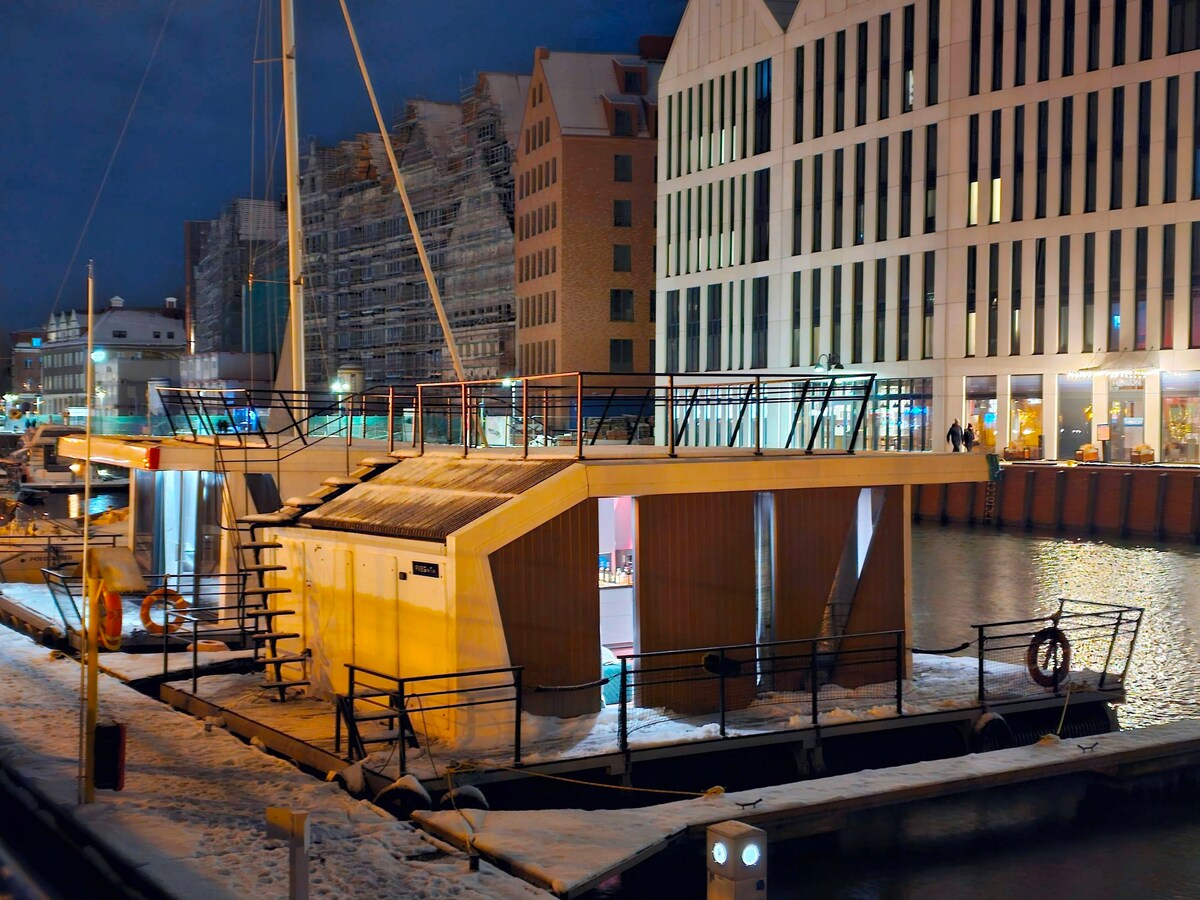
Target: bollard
[(285, 823), (737, 861)]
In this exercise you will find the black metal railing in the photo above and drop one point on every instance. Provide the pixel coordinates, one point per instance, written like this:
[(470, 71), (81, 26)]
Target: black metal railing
[(1083, 644), (372, 696), (748, 688)]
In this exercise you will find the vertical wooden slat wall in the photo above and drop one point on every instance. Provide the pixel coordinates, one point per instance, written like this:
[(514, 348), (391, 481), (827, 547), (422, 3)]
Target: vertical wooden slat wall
[(549, 601), (695, 588)]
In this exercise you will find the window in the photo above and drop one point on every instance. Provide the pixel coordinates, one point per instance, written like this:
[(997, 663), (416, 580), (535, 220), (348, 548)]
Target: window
[(976, 43), (797, 315), (762, 106), (1171, 144), (839, 81), (931, 153), (672, 360), (839, 174), (1146, 32), (797, 206), (880, 309), (885, 64), (632, 82), (653, 308), (798, 118), (622, 258), (691, 360), (1064, 291), (906, 184), (972, 276), (1018, 185), (1168, 287), (758, 333), (819, 88), (1114, 290), (996, 193), (997, 45), (1120, 13), (835, 312), (1116, 185), (1043, 65), (1093, 39), (856, 313), (928, 306), (620, 305), (860, 76), (1142, 192), (818, 192), (907, 87), (622, 167), (620, 355), (1014, 318), (622, 121), (1068, 154), (1196, 136), (1039, 296), (1021, 28), (860, 193), (158, 334), (761, 244), (1089, 291), (1068, 60), (622, 213), (1043, 129), (902, 312), (713, 357), (881, 192), (993, 298), (973, 170), (1183, 25), (1141, 246), (120, 334), (933, 53), (1091, 142), (815, 318)]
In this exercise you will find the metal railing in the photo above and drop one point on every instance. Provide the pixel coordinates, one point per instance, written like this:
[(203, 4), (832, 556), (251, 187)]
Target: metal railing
[(723, 685), (1082, 644), (385, 696)]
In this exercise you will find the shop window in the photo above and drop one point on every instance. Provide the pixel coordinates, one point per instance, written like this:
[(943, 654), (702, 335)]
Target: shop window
[(1026, 439)]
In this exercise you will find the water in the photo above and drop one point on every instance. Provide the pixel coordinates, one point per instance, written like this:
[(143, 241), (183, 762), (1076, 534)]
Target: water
[(1142, 847), (69, 504)]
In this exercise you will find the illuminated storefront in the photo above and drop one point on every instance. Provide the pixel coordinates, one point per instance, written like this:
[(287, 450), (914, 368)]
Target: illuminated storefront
[(1075, 412), (981, 410), (899, 417), (1025, 435), (1126, 414), (1181, 417)]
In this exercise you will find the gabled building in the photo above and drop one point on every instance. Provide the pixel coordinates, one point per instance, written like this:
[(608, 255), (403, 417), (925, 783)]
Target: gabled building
[(585, 212), (989, 204)]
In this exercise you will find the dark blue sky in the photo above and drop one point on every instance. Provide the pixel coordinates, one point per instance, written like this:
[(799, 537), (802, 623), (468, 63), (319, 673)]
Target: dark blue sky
[(69, 70)]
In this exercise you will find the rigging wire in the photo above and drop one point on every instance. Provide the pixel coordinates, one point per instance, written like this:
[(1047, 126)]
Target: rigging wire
[(113, 156)]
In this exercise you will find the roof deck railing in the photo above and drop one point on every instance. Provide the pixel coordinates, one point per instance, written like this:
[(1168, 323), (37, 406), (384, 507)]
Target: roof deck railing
[(579, 410)]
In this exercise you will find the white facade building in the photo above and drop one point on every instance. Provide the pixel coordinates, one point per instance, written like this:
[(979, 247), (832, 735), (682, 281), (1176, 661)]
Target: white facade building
[(992, 204)]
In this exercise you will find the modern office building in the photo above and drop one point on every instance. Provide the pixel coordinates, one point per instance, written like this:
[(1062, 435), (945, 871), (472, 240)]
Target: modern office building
[(585, 211), (992, 204)]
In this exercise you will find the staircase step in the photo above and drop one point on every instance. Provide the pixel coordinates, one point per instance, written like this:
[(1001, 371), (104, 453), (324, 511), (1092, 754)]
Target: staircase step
[(341, 481), (281, 516), (282, 660), (276, 685), (375, 716), (262, 545), (264, 567), (303, 502), (377, 462), (272, 635), (267, 590)]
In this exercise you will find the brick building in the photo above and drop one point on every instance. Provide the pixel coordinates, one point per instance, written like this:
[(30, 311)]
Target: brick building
[(585, 220)]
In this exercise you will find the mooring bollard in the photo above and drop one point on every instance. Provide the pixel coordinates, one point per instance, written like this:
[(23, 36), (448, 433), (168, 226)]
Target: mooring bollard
[(737, 861), (285, 823)]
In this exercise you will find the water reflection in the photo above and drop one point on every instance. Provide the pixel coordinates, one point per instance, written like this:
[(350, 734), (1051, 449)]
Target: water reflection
[(963, 576), (70, 505)]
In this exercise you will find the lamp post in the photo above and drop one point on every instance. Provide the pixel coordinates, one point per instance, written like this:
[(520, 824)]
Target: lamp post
[(828, 362), (340, 388)]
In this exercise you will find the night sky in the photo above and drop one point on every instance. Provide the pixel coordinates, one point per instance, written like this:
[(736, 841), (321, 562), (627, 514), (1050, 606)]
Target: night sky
[(69, 70)]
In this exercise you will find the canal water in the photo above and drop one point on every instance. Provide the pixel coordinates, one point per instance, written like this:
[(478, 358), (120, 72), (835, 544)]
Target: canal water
[(1137, 848)]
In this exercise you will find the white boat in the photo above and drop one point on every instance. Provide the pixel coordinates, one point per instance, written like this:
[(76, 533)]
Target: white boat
[(37, 465)]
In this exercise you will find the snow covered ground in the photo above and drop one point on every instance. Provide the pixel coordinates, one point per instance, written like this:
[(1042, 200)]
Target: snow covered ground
[(191, 816), (568, 847)]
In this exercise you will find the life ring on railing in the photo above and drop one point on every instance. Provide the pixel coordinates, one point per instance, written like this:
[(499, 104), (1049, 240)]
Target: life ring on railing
[(110, 628), (163, 598), (1048, 644)]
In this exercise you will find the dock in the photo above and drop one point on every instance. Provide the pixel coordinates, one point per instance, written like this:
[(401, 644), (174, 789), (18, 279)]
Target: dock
[(559, 850)]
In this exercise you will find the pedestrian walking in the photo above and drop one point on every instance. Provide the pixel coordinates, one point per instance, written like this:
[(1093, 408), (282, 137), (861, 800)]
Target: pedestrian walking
[(955, 436), (969, 438)]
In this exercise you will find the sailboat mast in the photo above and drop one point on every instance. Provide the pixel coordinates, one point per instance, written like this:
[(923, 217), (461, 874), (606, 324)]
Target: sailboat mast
[(295, 241)]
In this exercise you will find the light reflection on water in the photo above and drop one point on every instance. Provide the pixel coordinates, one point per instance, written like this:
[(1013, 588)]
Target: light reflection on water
[(963, 577), (71, 505)]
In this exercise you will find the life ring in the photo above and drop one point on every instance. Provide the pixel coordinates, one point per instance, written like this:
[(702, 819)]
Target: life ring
[(110, 629), (163, 598), (1054, 642)]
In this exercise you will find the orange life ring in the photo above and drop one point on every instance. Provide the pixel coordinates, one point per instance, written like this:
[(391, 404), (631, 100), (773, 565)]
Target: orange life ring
[(1048, 674), (110, 629), (163, 598)]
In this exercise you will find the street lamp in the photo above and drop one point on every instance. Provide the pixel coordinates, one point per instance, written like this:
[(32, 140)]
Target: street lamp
[(340, 388), (828, 362)]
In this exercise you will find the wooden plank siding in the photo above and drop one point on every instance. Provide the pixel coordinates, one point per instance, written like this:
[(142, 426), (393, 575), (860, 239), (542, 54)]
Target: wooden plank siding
[(549, 602), (695, 588)]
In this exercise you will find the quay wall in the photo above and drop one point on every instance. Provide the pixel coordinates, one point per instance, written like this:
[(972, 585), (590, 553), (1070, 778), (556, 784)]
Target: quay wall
[(1158, 502)]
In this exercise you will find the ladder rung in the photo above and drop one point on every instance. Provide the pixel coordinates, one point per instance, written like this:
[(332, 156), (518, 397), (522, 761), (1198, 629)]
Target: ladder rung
[(268, 613), (267, 590), (262, 545), (263, 567), (375, 716)]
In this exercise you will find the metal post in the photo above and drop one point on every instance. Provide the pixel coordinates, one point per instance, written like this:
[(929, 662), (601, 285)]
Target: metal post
[(524, 418), (419, 430), (518, 704), (623, 710), (812, 679), (579, 415), (979, 645), (671, 416), (721, 676), (462, 391), (900, 673), (195, 652), (1111, 644), (758, 415), (401, 741), (391, 419)]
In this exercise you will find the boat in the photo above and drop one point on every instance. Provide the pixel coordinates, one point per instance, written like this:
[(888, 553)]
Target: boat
[(37, 465)]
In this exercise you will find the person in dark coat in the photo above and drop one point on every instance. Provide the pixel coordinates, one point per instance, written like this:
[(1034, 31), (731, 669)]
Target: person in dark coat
[(955, 436), (969, 439)]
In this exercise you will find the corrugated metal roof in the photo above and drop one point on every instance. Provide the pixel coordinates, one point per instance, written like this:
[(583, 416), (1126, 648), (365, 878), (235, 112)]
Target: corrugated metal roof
[(429, 497)]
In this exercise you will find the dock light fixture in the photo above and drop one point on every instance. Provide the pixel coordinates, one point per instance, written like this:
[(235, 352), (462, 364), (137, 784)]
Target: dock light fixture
[(827, 362), (99, 355), (737, 861)]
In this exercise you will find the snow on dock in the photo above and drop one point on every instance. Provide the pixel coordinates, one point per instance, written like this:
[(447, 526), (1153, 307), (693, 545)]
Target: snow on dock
[(192, 815), (572, 851)]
